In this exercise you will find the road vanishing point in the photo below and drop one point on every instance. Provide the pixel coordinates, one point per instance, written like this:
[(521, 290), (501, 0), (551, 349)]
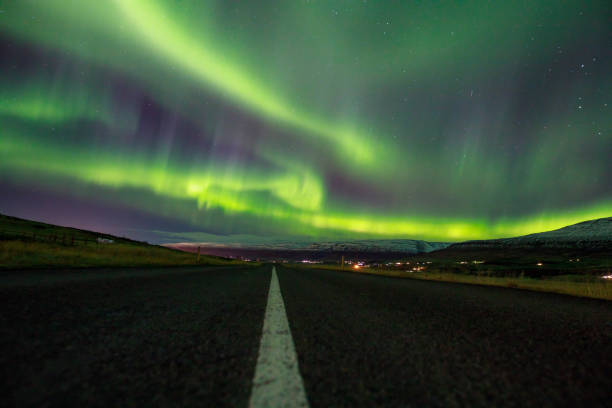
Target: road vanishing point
[(285, 337)]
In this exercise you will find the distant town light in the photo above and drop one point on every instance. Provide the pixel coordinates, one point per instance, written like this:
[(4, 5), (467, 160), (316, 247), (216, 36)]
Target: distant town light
[(356, 266), (607, 276), (539, 264)]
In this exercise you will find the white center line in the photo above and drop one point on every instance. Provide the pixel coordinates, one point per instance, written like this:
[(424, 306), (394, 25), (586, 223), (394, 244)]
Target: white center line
[(277, 381)]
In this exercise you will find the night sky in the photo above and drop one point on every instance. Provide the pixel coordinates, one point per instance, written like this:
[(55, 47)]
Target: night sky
[(306, 120)]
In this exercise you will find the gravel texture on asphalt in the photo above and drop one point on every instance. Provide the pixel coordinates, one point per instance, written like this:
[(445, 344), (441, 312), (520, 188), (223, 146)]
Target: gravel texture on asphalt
[(188, 337), (375, 341)]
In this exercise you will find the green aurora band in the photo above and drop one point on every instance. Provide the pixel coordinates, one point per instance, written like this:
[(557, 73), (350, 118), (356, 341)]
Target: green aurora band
[(304, 94)]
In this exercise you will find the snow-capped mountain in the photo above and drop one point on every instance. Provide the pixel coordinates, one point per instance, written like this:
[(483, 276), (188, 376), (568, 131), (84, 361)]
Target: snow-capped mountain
[(408, 246), (594, 234)]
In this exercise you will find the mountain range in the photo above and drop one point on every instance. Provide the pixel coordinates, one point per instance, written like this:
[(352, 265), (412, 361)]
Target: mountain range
[(371, 249), (588, 236)]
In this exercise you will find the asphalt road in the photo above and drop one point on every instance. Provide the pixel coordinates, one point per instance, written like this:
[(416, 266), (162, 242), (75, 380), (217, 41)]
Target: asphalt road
[(187, 337), (374, 341), (190, 337)]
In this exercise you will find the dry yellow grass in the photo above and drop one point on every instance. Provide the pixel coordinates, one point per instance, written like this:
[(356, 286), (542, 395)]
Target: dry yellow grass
[(27, 254), (596, 288)]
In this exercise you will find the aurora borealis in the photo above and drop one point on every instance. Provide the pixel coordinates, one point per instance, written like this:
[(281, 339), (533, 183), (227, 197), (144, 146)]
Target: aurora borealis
[(190, 120)]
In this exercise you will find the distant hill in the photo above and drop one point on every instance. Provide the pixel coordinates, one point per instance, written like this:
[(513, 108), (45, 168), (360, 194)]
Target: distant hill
[(583, 248), (591, 235)]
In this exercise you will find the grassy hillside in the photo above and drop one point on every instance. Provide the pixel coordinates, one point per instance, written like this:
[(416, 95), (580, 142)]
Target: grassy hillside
[(30, 244)]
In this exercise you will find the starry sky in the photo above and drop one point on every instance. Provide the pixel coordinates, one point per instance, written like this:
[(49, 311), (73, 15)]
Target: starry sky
[(267, 120)]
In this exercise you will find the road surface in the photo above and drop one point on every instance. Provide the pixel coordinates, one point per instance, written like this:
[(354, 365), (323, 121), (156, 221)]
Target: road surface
[(227, 337)]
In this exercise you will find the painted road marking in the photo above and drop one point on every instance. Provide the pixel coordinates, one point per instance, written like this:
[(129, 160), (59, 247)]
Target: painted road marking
[(277, 381)]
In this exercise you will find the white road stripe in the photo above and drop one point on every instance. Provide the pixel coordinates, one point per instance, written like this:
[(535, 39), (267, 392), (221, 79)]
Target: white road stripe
[(277, 381)]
